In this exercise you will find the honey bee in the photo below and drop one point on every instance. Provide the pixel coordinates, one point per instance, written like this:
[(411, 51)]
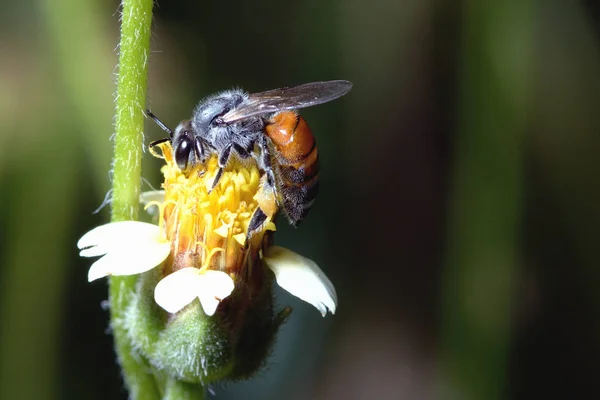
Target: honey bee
[(266, 127)]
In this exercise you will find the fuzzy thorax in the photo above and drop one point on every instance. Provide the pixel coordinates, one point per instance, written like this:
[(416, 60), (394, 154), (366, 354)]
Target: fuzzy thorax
[(208, 230)]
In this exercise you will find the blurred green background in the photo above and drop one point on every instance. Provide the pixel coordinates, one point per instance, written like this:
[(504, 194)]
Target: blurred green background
[(459, 215)]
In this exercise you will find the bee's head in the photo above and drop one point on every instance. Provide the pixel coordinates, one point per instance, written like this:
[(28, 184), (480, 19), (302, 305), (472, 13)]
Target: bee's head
[(194, 139)]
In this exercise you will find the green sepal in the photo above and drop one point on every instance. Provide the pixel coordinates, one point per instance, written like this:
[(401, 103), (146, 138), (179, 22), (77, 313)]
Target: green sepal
[(191, 347), (144, 319), (256, 329)]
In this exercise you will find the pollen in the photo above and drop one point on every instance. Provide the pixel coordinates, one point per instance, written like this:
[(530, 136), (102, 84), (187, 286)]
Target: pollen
[(206, 229)]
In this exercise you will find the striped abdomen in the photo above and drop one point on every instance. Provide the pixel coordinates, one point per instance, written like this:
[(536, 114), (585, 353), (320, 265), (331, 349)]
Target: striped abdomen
[(297, 168)]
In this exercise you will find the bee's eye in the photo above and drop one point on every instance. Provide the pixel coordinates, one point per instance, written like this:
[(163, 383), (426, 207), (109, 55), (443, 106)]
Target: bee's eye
[(182, 152)]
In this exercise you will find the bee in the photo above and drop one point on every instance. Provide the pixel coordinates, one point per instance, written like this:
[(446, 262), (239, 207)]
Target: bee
[(263, 126)]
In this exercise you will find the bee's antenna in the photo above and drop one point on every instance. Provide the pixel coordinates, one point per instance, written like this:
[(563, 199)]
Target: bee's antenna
[(159, 123)]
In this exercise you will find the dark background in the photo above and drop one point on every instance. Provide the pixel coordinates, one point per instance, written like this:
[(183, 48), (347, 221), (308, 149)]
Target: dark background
[(459, 215)]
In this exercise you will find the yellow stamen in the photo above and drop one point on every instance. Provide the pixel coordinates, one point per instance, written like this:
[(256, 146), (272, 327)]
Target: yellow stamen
[(160, 207), (208, 230), (208, 257)]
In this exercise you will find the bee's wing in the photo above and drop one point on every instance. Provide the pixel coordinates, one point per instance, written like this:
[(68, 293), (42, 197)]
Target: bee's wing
[(302, 96)]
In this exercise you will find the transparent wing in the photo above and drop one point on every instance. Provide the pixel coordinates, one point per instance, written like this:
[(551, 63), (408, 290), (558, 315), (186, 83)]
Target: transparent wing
[(302, 96)]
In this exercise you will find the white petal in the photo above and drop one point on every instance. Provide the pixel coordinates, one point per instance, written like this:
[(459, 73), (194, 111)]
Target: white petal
[(302, 278), (115, 232), (130, 247), (180, 288), (130, 260), (215, 286)]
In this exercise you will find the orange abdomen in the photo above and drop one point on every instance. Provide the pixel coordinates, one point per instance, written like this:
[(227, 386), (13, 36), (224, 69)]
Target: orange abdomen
[(297, 162)]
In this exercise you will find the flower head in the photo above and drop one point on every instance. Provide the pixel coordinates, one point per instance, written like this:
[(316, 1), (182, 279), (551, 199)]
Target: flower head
[(202, 240)]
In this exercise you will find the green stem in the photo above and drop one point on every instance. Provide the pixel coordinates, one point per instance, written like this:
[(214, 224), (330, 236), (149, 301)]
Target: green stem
[(485, 207), (131, 98), (177, 390)]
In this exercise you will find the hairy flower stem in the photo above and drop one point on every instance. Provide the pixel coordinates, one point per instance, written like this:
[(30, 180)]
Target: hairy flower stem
[(177, 390), (134, 49)]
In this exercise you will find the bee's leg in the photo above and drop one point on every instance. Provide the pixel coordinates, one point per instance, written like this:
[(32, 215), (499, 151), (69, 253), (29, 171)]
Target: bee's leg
[(258, 218), (199, 149), (224, 158), (159, 141), (266, 161)]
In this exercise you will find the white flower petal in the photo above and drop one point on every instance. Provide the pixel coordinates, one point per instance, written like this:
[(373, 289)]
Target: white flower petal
[(129, 261), (130, 247), (180, 288), (93, 251), (302, 278), (215, 286), (109, 235)]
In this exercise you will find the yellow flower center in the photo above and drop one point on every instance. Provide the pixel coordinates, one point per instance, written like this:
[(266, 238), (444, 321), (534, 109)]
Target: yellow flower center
[(208, 230)]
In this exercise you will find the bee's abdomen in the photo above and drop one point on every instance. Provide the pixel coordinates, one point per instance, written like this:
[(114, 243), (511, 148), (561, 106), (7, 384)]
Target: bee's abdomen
[(297, 159)]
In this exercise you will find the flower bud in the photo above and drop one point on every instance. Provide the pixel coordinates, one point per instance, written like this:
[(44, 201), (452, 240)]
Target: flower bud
[(193, 347)]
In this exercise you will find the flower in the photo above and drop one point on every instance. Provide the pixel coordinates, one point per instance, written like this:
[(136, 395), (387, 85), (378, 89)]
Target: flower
[(303, 278), (201, 240), (128, 247)]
